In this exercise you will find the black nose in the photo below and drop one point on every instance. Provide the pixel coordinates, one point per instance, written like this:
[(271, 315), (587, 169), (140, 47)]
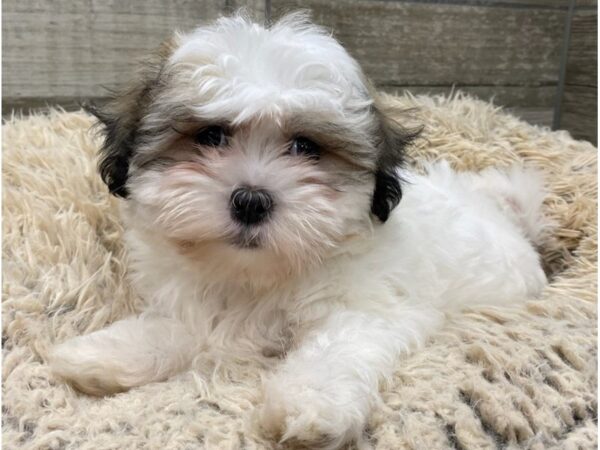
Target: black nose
[(250, 205)]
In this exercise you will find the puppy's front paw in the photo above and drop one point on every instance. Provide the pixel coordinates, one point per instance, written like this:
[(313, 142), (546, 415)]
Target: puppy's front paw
[(308, 415), (129, 353), (81, 363)]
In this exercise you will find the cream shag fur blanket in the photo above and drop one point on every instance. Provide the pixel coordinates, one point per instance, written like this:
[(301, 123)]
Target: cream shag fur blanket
[(491, 379)]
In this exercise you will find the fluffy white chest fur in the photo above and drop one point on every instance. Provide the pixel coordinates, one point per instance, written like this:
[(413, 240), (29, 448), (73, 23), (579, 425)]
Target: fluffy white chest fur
[(263, 180)]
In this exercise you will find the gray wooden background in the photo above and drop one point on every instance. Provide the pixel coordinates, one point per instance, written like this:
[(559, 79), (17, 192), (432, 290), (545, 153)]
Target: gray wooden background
[(537, 58)]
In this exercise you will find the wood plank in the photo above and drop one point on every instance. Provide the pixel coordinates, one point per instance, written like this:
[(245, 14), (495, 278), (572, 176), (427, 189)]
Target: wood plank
[(530, 103), (509, 3), (533, 96), (73, 48), (28, 105), (579, 112), (536, 3), (510, 96), (582, 63), (535, 116), (536, 100), (550, 4), (408, 43)]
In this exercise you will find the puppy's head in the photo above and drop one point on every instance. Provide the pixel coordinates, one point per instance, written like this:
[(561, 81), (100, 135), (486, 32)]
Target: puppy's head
[(258, 150)]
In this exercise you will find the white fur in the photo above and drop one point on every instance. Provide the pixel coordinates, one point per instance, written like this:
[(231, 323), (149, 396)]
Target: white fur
[(340, 295)]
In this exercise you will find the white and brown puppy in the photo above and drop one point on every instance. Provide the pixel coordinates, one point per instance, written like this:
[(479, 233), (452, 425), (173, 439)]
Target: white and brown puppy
[(262, 184)]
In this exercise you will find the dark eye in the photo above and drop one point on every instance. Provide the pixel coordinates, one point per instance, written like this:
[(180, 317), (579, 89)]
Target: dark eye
[(213, 136), (306, 147)]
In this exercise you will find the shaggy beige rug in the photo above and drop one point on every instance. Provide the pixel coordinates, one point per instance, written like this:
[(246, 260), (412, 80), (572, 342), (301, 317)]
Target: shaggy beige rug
[(491, 379)]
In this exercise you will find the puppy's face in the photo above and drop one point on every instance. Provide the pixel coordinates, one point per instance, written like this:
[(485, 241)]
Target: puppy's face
[(254, 150)]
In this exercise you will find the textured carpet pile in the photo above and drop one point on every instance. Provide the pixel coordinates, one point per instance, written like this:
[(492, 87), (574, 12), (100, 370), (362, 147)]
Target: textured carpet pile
[(493, 378)]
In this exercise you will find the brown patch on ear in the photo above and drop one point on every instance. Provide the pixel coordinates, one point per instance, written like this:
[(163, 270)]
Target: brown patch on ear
[(393, 140), (120, 118)]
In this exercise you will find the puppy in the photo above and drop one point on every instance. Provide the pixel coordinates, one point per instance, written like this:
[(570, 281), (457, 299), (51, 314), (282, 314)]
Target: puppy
[(262, 179)]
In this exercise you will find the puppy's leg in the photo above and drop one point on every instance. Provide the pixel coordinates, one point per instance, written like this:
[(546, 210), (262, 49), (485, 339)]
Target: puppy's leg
[(128, 353), (322, 394)]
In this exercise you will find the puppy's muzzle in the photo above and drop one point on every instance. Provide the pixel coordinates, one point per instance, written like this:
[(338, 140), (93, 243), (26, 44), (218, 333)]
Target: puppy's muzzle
[(249, 205)]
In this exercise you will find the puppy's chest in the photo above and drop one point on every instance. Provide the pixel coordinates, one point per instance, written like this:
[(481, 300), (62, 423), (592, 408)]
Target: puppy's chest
[(269, 325), (258, 330)]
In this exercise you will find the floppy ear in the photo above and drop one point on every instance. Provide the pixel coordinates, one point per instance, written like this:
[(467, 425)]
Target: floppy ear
[(120, 120), (119, 129), (393, 139)]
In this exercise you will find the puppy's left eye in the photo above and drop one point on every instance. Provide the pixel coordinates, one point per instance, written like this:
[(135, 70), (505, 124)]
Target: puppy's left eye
[(213, 136), (305, 147)]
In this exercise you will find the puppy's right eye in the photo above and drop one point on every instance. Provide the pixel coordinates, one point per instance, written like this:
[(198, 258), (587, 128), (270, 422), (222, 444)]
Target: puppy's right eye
[(213, 136), (305, 147)]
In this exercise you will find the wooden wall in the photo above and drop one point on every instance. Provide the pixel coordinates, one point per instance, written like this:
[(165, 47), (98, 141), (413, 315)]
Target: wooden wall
[(579, 102), (61, 51), (509, 51)]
